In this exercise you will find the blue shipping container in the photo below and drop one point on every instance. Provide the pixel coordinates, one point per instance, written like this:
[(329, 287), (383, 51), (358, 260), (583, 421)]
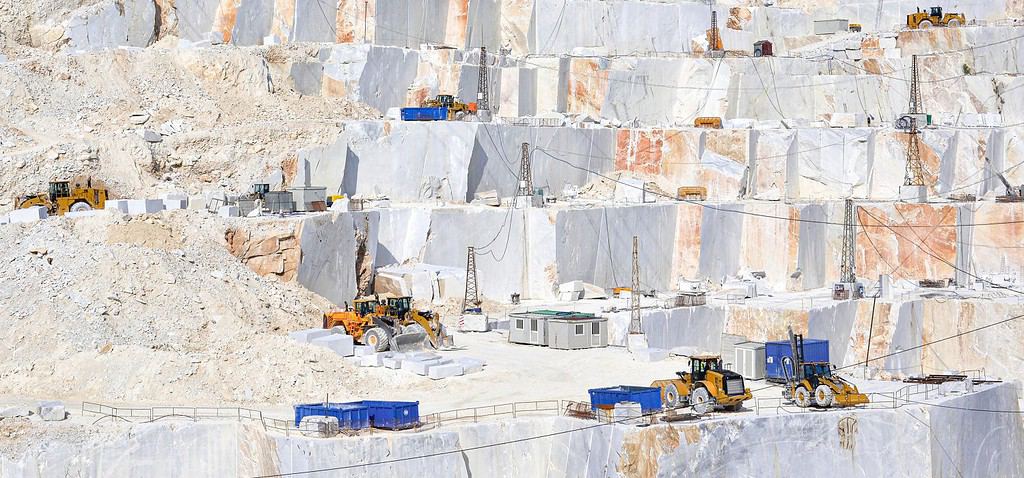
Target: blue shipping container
[(350, 416), (815, 350), (649, 398), (425, 114), (392, 415)]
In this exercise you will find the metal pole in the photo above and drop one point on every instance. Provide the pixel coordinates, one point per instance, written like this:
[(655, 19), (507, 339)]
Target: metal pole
[(871, 328), (366, 12)]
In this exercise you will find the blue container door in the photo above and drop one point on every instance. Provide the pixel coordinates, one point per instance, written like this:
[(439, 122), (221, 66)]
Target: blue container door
[(774, 352)]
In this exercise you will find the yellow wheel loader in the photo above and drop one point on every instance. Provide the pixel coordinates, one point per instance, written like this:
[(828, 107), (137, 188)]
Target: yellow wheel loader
[(62, 198), (389, 323), (814, 383), (934, 17), (456, 109), (706, 387)]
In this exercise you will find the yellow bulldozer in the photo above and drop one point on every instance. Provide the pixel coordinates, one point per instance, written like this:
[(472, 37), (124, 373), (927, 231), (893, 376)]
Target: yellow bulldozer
[(456, 109), (706, 387), (814, 383), (389, 323), (63, 197), (934, 17)]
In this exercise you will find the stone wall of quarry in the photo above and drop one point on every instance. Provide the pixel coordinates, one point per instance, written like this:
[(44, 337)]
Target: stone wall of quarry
[(667, 91), (653, 90), (531, 251), (453, 161), (330, 254), (525, 26), (932, 441)]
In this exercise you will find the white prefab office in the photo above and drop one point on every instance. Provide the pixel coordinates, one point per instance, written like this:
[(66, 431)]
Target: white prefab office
[(557, 329), (750, 360), (578, 333)]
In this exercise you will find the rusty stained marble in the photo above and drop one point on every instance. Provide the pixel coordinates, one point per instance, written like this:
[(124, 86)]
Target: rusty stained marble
[(760, 324), (907, 253), (588, 85), (168, 21), (516, 16), (738, 18), (641, 450), (875, 66), (224, 18), (282, 24), (267, 252), (732, 145), (793, 239), (348, 14), (333, 88), (680, 158), (768, 244), (912, 253), (995, 349), (456, 23), (640, 151), (686, 258), (881, 332)]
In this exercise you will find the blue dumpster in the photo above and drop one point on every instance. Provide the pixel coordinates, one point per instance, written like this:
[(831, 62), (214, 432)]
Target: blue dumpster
[(351, 416), (815, 350), (426, 113), (392, 415), (649, 398)]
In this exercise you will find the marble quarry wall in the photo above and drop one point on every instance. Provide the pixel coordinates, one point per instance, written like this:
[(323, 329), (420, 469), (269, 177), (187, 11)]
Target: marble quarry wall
[(331, 254), (531, 251), (923, 433), (933, 442), (526, 26), (453, 161), (667, 91)]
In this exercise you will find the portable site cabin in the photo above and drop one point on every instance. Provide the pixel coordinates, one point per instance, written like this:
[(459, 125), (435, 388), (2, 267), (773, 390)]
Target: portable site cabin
[(558, 329)]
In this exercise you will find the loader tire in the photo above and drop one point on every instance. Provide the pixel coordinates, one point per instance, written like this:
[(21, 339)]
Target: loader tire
[(80, 206), (377, 338), (953, 23), (671, 396), (925, 24), (802, 397), (700, 401), (823, 396)]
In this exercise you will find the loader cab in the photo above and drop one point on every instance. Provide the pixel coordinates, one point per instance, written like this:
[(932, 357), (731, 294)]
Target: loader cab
[(446, 100), (936, 12), (702, 364), (815, 371), (820, 369), (400, 305), (365, 307), (59, 189)]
